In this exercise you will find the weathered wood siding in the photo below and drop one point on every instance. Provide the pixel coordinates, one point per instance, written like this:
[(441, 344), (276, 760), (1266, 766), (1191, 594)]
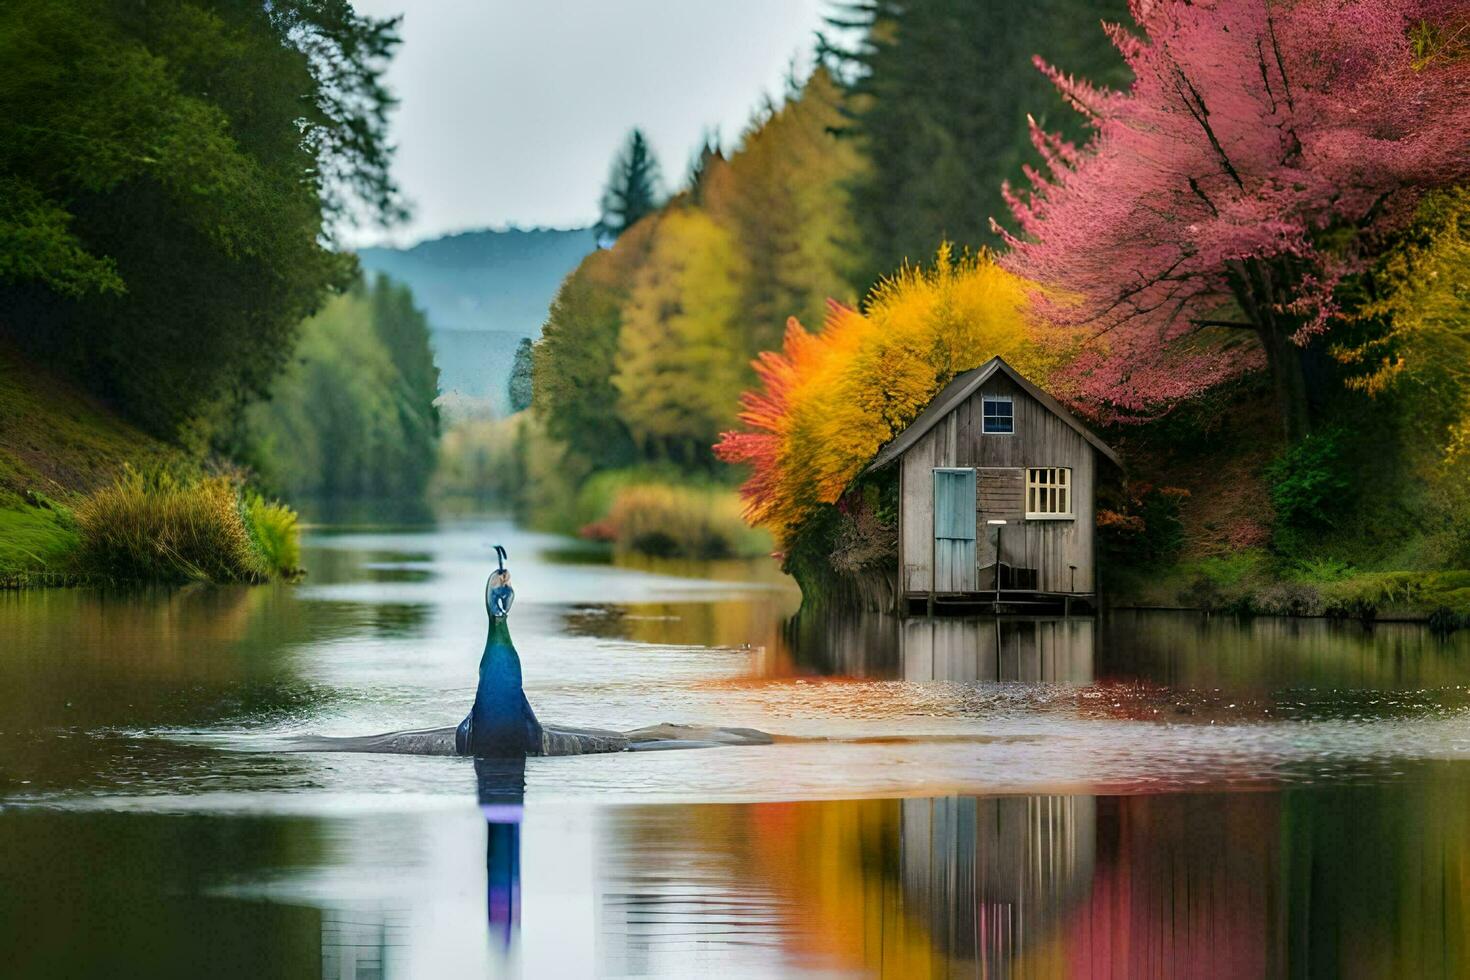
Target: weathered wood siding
[(1002, 493), (1040, 439)]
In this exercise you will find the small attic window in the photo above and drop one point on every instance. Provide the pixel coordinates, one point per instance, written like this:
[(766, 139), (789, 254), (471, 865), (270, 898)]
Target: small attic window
[(998, 415)]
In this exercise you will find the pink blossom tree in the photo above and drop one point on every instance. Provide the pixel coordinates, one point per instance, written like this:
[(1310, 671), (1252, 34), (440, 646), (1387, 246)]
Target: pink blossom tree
[(1265, 150)]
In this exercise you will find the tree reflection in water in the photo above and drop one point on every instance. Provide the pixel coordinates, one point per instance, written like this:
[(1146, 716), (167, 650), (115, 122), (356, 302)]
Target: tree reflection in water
[(1348, 880)]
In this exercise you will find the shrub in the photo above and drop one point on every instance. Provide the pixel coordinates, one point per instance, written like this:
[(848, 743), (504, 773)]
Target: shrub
[(1144, 528), (1447, 521), (1289, 599), (670, 521), (863, 538), (1308, 483), (1322, 570), (1222, 583), (1444, 620), (1351, 607), (1364, 595), (600, 491), (165, 528)]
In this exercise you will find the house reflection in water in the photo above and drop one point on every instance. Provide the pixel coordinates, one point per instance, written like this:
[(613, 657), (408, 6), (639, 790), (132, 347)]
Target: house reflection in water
[(990, 878), (920, 887), (989, 648), (357, 943), (1058, 650)]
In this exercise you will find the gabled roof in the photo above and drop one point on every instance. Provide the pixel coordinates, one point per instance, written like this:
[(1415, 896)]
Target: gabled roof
[(961, 388)]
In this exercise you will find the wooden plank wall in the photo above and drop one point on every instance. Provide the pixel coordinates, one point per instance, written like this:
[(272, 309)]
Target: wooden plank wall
[(1040, 439), (1002, 493)]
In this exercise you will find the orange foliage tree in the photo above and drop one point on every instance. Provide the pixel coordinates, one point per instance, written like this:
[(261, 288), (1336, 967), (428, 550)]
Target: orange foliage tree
[(829, 400)]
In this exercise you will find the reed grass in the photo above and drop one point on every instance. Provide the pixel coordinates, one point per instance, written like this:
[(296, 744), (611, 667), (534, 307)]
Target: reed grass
[(170, 529)]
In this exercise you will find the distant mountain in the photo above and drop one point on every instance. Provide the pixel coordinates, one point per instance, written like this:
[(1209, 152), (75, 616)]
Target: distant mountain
[(483, 291)]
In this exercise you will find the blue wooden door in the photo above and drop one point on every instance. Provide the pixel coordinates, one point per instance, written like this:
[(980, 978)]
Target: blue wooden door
[(954, 530)]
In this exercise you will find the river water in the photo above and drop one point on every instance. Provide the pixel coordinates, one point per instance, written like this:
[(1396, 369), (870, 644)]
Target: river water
[(1147, 794)]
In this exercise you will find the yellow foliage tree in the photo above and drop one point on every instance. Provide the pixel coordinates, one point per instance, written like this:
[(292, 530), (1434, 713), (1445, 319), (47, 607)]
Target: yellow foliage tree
[(678, 372), (783, 196), (831, 399), (1424, 301), (645, 348), (1418, 363)]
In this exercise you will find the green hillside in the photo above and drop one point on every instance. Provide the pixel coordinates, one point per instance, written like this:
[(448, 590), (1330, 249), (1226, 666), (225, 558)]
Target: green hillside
[(56, 444)]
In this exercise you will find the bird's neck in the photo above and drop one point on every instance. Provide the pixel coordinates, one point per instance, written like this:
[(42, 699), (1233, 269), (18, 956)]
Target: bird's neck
[(499, 634)]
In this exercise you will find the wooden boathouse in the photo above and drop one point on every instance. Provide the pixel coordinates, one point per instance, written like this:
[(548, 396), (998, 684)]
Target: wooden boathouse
[(996, 497)]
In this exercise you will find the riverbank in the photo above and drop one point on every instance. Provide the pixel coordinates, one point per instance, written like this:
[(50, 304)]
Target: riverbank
[(1216, 513), (87, 497), (1251, 582)]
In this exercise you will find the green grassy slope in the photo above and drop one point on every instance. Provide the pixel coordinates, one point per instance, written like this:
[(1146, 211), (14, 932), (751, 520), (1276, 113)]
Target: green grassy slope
[(56, 444)]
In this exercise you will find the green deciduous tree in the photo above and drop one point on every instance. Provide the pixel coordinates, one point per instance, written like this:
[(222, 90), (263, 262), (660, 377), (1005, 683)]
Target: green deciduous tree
[(403, 329), (679, 368), (170, 173), (353, 415), (576, 356)]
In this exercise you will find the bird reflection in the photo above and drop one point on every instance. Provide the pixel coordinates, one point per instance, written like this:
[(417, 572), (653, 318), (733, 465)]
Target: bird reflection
[(500, 784)]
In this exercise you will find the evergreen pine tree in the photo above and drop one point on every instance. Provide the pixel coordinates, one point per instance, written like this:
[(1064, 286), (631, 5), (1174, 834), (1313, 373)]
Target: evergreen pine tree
[(938, 92), (520, 377), (708, 156), (632, 188)]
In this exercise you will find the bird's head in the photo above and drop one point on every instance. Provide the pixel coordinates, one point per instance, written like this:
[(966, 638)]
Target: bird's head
[(498, 593)]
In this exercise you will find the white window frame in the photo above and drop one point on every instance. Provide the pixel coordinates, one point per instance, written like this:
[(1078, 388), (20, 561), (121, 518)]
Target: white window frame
[(1051, 487), (997, 398)]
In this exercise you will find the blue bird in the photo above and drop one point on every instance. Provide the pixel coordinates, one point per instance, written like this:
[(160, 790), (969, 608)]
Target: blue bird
[(501, 722)]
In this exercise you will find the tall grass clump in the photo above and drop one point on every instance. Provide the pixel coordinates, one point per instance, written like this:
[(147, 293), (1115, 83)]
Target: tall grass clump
[(272, 527), (170, 529), (672, 521)]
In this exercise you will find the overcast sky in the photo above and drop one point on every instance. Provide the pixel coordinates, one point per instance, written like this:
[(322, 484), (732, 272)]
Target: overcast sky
[(511, 110)]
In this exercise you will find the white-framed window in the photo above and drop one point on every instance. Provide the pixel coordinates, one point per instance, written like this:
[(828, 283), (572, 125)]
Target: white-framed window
[(997, 414), (1048, 492)]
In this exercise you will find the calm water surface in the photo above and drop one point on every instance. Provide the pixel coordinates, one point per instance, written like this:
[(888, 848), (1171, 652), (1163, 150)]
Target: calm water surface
[(1142, 795)]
